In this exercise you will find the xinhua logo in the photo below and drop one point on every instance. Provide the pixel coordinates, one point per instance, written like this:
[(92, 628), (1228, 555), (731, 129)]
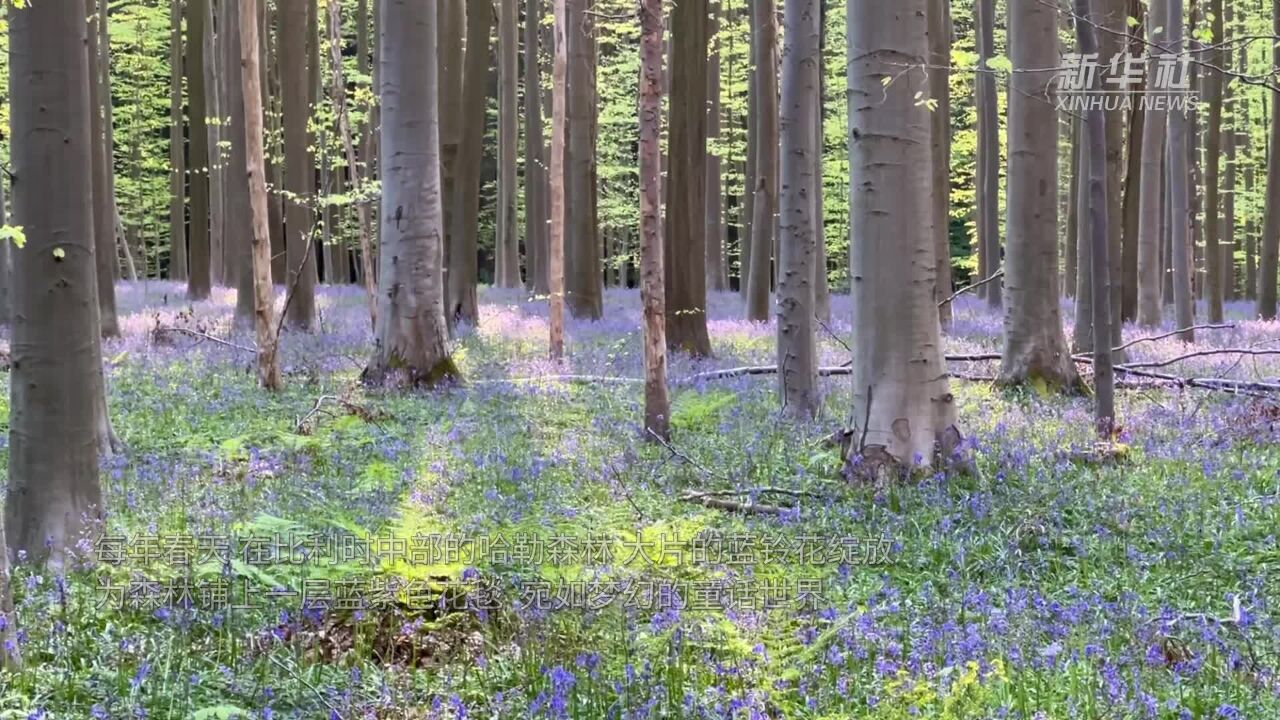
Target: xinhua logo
[(1087, 83)]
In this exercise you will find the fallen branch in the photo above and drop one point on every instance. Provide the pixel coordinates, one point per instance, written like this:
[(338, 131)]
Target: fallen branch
[(161, 329), (1200, 353), (1171, 333), (752, 492), (994, 276), (720, 503)]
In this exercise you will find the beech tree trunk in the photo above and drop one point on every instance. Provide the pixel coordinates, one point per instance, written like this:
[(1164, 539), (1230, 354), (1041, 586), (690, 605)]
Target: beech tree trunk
[(411, 334), (821, 289), (1082, 327), (104, 209), (221, 252), (583, 268), (535, 171), (940, 141), (1132, 178), (988, 170), (299, 174), (1112, 15), (717, 272), (1150, 268), (903, 409), (463, 236), (507, 242), (556, 182), (685, 230), (450, 55), (55, 383), (177, 171), (256, 174), (1035, 350), (797, 348), (1213, 85), (198, 172), (765, 182), (657, 408), (1180, 211), (1271, 223), (239, 210), (1073, 202)]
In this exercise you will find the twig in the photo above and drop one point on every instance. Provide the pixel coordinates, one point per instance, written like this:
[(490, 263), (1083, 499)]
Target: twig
[(1171, 333), (994, 276), (675, 452), (315, 409), (751, 492), (204, 336), (719, 503), (1199, 353)]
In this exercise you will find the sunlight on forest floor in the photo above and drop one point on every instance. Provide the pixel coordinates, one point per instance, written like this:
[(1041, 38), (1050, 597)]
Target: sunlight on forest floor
[(1045, 586)]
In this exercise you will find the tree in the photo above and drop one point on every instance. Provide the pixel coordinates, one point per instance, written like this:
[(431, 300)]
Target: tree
[(1149, 210), (685, 230), (507, 242), (299, 175), (256, 171), (6, 273), (535, 171), (56, 373), (1213, 150), (583, 269), (238, 212), (764, 39), (988, 170), (1179, 197), (198, 278), (177, 181), (1111, 32), (657, 407), (1035, 350), (104, 207), (410, 339), (465, 228), (902, 402), (1132, 190), (555, 184), (716, 266), (1095, 126), (1271, 223), (797, 348), (940, 141)]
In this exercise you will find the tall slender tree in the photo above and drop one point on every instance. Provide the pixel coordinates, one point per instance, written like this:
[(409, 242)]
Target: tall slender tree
[(1179, 196), (104, 208), (198, 279), (1035, 350), (716, 267), (465, 229), (1213, 85), (410, 339), (556, 181), (988, 170), (764, 39), (1149, 212), (583, 268), (507, 242), (657, 407), (53, 487), (177, 179), (299, 175), (535, 171), (238, 212), (1270, 252), (940, 140), (902, 401), (685, 230), (797, 349)]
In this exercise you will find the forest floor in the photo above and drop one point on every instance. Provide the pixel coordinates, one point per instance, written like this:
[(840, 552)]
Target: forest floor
[(549, 568)]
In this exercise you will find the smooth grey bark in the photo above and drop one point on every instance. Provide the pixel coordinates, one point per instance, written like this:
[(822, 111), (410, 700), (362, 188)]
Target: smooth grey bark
[(1111, 35), (1180, 210), (177, 172), (450, 55), (940, 141), (53, 493), (1073, 202), (765, 182), (556, 181), (821, 288), (749, 162), (299, 173), (1095, 125), (1213, 85), (582, 262), (6, 279), (717, 269), (507, 243), (116, 243), (410, 338), (684, 235), (657, 406), (1132, 180), (239, 213), (1149, 210), (535, 171), (988, 170), (1082, 325), (222, 271), (465, 227), (102, 168), (797, 225), (1035, 350), (198, 170), (902, 403), (1270, 245)]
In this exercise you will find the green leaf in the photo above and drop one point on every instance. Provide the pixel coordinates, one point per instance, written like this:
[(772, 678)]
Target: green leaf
[(220, 712), (14, 233), (1000, 63)]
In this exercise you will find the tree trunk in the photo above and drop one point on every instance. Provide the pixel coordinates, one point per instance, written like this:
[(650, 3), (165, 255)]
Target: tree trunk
[(1250, 244), (450, 56), (1271, 223), (535, 172), (902, 402), (272, 103), (222, 269), (765, 181), (507, 242), (198, 279), (239, 211), (797, 350), (56, 374), (1110, 35), (988, 178), (256, 173), (1073, 202), (717, 274), (177, 172), (1035, 350), (685, 230), (1212, 83), (1132, 179), (410, 339), (821, 290), (299, 176), (940, 141), (6, 302), (1095, 124), (555, 184), (657, 408), (1229, 142), (1149, 211), (1082, 327), (749, 171), (102, 168), (463, 237), (1179, 200), (583, 269)]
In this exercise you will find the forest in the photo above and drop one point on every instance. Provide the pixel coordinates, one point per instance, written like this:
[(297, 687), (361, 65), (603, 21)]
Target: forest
[(622, 359)]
